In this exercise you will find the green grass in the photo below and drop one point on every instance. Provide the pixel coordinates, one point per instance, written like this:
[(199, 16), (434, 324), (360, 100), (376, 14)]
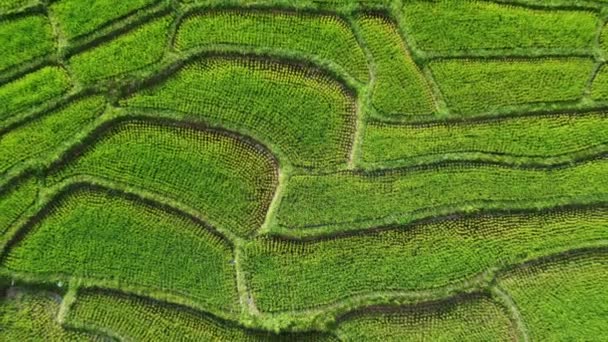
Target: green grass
[(77, 18), (231, 182), (471, 318), (534, 139), (563, 300), (97, 236), (31, 90), (362, 201), (24, 40), (28, 315), (400, 88), (39, 136), (15, 200), (481, 87), (139, 319), (123, 55), (462, 26), (302, 113), (297, 275), (325, 37)]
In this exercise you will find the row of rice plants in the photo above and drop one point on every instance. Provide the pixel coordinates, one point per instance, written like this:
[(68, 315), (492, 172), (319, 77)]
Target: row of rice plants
[(15, 199), (367, 200), (122, 242), (418, 257), (230, 181), (139, 319), (300, 113), (24, 40), (399, 88), (564, 299), (125, 54), (457, 27), (77, 18), (474, 87), (467, 318), (30, 315), (327, 37), (538, 139), (41, 135), (32, 89)]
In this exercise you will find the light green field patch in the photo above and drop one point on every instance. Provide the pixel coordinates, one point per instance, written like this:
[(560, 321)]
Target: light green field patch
[(399, 88), (230, 181), (304, 114), (128, 53), (418, 257), (564, 300), (31, 90), (321, 36), (458, 26), (94, 235), (475, 87), (470, 318), (23, 40)]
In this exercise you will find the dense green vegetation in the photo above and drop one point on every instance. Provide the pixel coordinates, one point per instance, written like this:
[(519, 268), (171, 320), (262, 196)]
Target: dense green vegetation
[(422, 256), (29, 315), (399, 87), (322, 36), (14, 200), (313, 128), (32, 89), (535, 139), (101, 237), (310, 170), (77, 18), (471, 318), (130, 52), (25, 39), (368, 200), (43, 134), (228, 180), (481, 87), (139, 319), (564, 299), (457, 27)]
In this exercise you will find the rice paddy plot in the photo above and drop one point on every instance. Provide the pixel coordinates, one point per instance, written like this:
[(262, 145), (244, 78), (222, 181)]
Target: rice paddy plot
[(409, 258), (544, 140), (139, 319), (40, 136), (229, 180), (123, 55), (453, 27), (77, 18), (366, 200), (24, 40), (127, 244), (562, 299), (467, 318), (399, 88), (15, 199), (30, 315), (486, 87), (32, 90), (324, 37), (301, 113)]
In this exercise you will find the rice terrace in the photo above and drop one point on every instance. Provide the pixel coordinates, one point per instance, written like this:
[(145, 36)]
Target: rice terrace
[(304, 170)]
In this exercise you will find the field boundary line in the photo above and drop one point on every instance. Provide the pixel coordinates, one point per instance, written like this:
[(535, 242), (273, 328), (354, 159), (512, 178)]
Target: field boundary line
[(514, 313)]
